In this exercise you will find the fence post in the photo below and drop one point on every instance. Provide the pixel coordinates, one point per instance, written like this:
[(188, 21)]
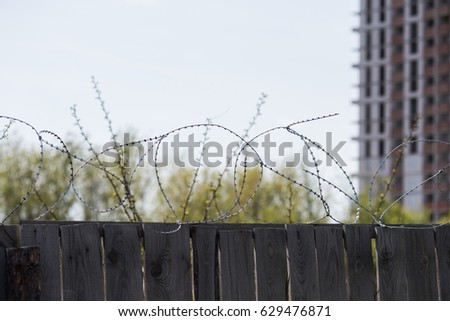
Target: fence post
[(23, 273)]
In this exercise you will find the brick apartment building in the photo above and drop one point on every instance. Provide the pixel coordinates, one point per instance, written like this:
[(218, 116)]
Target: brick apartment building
[(404, 92)]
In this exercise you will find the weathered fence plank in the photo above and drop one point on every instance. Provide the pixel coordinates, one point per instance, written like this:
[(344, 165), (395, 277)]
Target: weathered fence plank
[(421, 264), (443, 254), (330, 258), (123, 263), (204, 244), (302, 263), (393, 281), (82, 263), (8, 239), (23, 273), (47, 238), (361, 270), (271, 265), (413, 262), (237, 266), (167, 264)]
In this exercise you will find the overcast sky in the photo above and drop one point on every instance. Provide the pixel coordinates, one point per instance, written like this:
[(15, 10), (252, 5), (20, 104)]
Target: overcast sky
[(167, 63)]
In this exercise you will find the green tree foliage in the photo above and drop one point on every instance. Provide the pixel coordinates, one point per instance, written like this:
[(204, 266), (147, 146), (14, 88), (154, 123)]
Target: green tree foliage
[(19, 165), (272, 199), (397, 214)]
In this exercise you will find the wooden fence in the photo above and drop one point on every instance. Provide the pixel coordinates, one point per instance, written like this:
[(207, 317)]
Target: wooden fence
[(128, 261)]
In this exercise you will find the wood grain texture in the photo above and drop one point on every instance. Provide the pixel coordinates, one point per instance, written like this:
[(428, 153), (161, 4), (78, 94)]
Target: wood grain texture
[(304, 275), (237, 266), (167, 264), (443, 255), (361, 270), (123, 263), (421, 264), (47, 238), (330, 258), (204, 244), (271, 264), (8, 239), (23, 273), (82, 263), (391, 254)]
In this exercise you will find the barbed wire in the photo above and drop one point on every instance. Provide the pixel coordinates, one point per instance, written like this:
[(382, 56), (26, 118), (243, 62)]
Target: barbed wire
[(122, 182)]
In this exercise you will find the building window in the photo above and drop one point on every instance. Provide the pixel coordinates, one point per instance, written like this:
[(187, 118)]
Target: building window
[(398, 12), (429, 62), (445, 19), (429, 42), (444, 58), (367, 149), (444, 39), (413, 75), (367, 119), (413, 8), (429, 81), (413, 145), (429, 4), (368, 82), (368, 45), (396, 142), (398, 105), (398, 48), (413, 30), (429, 23), (398, 124), (398, 31), (398, 86), (382, 81), (381, 118), (429, 100), (369, 12), (444, 98), (382, 44), (398, 67), (444, 79), (381, 148), (413, 112), (429, 120), (382, 11)]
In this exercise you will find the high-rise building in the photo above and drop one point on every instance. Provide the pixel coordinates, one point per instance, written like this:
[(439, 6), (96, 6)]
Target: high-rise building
[(404, 93)]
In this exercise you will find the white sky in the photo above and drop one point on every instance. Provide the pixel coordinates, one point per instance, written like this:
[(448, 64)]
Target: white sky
[(167, 63)]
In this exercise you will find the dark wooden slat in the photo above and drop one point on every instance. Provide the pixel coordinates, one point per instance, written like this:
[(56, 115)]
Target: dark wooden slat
[(361, 271), (167, 263), (304, 276), (81, 263), (237, 267), (205, 263), (8, 239), (443, 255), (23, 273), (392, 264), (47, 238), (330, 259), (421, 264), (123, 264), (271, 265)]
